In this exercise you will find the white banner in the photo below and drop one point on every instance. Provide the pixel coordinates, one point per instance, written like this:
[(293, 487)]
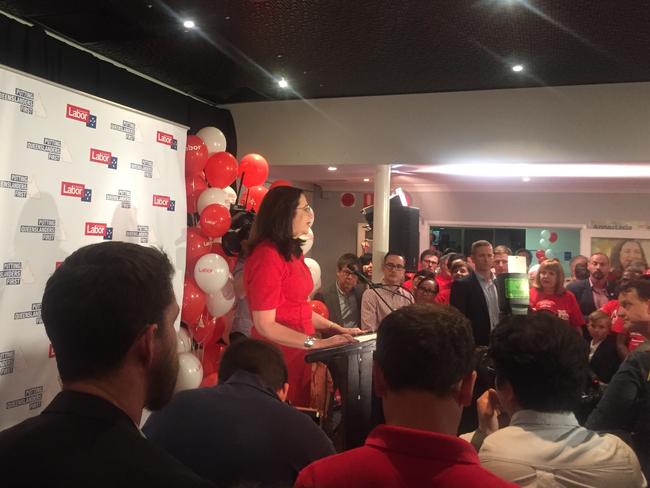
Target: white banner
[(74, 170)]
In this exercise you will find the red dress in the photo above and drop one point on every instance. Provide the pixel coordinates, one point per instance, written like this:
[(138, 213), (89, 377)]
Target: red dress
[(274, 283), (566, 303)]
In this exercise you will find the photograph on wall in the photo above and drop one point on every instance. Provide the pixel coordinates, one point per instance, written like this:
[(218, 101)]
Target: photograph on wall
[(622, 252)]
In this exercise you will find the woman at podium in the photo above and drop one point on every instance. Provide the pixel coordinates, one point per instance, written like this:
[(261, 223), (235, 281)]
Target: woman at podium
[(278, 284)]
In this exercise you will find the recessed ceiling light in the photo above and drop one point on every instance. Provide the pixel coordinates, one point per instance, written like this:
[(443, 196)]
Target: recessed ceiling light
[(517, 68), (366, 180), (189, 24), (283, 83), (525, 179), (332, 168), (487, 169)]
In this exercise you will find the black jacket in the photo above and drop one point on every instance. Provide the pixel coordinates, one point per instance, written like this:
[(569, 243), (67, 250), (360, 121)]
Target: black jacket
[(468, 297), (605, 361), (330, 297), (584, 295), (81, 440)]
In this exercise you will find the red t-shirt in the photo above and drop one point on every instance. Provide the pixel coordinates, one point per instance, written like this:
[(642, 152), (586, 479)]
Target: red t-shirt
[(395, 457), (444, 282), (566, 303), (275, 283), (618, 325)]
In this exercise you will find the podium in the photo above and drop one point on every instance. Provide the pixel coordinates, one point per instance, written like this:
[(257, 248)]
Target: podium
[(351, 368)]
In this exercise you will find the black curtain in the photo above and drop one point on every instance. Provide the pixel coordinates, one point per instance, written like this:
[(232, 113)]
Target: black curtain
[(30, 50)]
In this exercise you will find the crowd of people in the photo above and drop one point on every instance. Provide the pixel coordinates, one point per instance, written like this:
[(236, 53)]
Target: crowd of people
[(447, 343)]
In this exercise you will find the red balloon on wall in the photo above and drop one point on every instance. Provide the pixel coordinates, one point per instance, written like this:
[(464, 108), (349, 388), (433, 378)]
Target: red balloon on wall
[(210, 380), (320, 308), (215, 220), (553, 236), (212, 352), (221, 169), (194, 186), (193, 302), (196, 155), (255, 196), (280, 183), (255, 170), (197, 245)]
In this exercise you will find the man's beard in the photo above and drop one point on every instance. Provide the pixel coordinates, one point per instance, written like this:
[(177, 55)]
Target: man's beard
[(162, 379), (598, 274)]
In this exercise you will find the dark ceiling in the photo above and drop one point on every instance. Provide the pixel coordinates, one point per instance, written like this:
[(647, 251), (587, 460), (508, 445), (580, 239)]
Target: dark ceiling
[(341, 48)]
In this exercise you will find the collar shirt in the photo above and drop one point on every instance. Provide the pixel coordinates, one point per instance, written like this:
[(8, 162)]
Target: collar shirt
[(541, 449), (373, 308), (491, 298), (601, 297), (349, 308)]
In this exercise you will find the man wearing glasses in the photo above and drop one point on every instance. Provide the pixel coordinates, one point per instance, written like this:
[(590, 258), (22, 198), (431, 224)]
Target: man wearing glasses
[(429, 260), (389, 296), (343, 298)]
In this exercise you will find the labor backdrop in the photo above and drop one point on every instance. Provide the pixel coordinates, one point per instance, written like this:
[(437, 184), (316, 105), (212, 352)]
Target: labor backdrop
[(74, 170)]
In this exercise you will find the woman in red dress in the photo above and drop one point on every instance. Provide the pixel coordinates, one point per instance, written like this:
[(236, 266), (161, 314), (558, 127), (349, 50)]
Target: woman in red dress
[(549, 286), (278, 284)]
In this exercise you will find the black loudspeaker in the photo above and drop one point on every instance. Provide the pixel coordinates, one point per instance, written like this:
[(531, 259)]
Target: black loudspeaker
[(404, 234)]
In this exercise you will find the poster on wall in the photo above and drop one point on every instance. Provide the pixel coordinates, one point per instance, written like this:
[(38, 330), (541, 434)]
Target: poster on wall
[(74, 170), (622, 252)]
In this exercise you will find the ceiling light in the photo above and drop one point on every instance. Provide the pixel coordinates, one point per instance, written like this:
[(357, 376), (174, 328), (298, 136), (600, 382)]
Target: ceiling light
[(189, 24), (539, 170), (517, 68), (366, 180), (525, 179), (332, 168), (283, 83)]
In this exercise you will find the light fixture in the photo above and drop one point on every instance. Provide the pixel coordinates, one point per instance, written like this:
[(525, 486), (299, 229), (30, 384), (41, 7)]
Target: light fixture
[(525, 179), (332, 168), (283, 83), (489, 169), (517, 68), (366, 180), (189, 24)]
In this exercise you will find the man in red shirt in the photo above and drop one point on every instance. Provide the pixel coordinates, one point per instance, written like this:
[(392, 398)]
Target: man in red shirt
[(423, 372)]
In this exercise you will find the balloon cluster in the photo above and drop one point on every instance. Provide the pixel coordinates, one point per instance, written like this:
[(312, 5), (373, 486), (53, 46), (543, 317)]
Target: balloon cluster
[(546, 239)]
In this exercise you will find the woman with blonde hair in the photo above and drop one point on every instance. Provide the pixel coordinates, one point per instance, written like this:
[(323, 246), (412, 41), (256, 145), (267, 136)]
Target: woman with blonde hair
[(548, 293)]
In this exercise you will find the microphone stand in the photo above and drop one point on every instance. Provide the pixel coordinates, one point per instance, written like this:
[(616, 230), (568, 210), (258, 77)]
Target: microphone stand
[(372, 286)]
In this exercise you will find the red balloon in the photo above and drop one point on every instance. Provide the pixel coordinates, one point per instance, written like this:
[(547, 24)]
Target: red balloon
[(255, 196), (540, 254), (194, 186), (193, 302), (215, 220), (196, 155), (280, 183), (221, 169), (210, 380), (255, 170), (553, 236), (218, 324), (202, 330), (212, 352), (197, 245), (320, 308)]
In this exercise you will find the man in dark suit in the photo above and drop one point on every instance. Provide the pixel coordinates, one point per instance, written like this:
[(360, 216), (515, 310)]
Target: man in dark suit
[(109, 311), (594, 292), (343, 298), (476, 296)]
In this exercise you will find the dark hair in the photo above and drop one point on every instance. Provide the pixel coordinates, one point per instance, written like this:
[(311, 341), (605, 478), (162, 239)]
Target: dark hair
[(543, 359), (274, 221), (481, 243), (615, 259), (430, 277), (502, 249), (99, 300), (529, 255), (429, 252), (256, 357), (393, 253), (348, 259), (454, 256), (425, 347), (576, 258), (365, 259), (457, 264), (641, 285)]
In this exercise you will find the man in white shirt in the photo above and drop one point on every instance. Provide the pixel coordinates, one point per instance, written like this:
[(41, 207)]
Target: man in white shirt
[(541, 366), (377, 303)]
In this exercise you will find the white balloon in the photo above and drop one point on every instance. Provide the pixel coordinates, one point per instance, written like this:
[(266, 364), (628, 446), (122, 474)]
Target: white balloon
[(231, 198), (183, 340), (212, 195), (211, 273), (314, 269), (309, 241), (317, 286), (213, 138), (221, 303), (190, 372)]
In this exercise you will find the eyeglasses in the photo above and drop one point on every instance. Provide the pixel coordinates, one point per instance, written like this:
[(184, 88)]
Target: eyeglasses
[(392, 266), (430, 262), (306, 208)]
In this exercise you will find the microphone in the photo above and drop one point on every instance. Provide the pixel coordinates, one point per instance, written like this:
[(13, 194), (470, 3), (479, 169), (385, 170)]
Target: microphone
[(374, 286)]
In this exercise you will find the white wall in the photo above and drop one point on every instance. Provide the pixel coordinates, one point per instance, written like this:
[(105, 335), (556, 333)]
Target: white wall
[(576, 123)]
